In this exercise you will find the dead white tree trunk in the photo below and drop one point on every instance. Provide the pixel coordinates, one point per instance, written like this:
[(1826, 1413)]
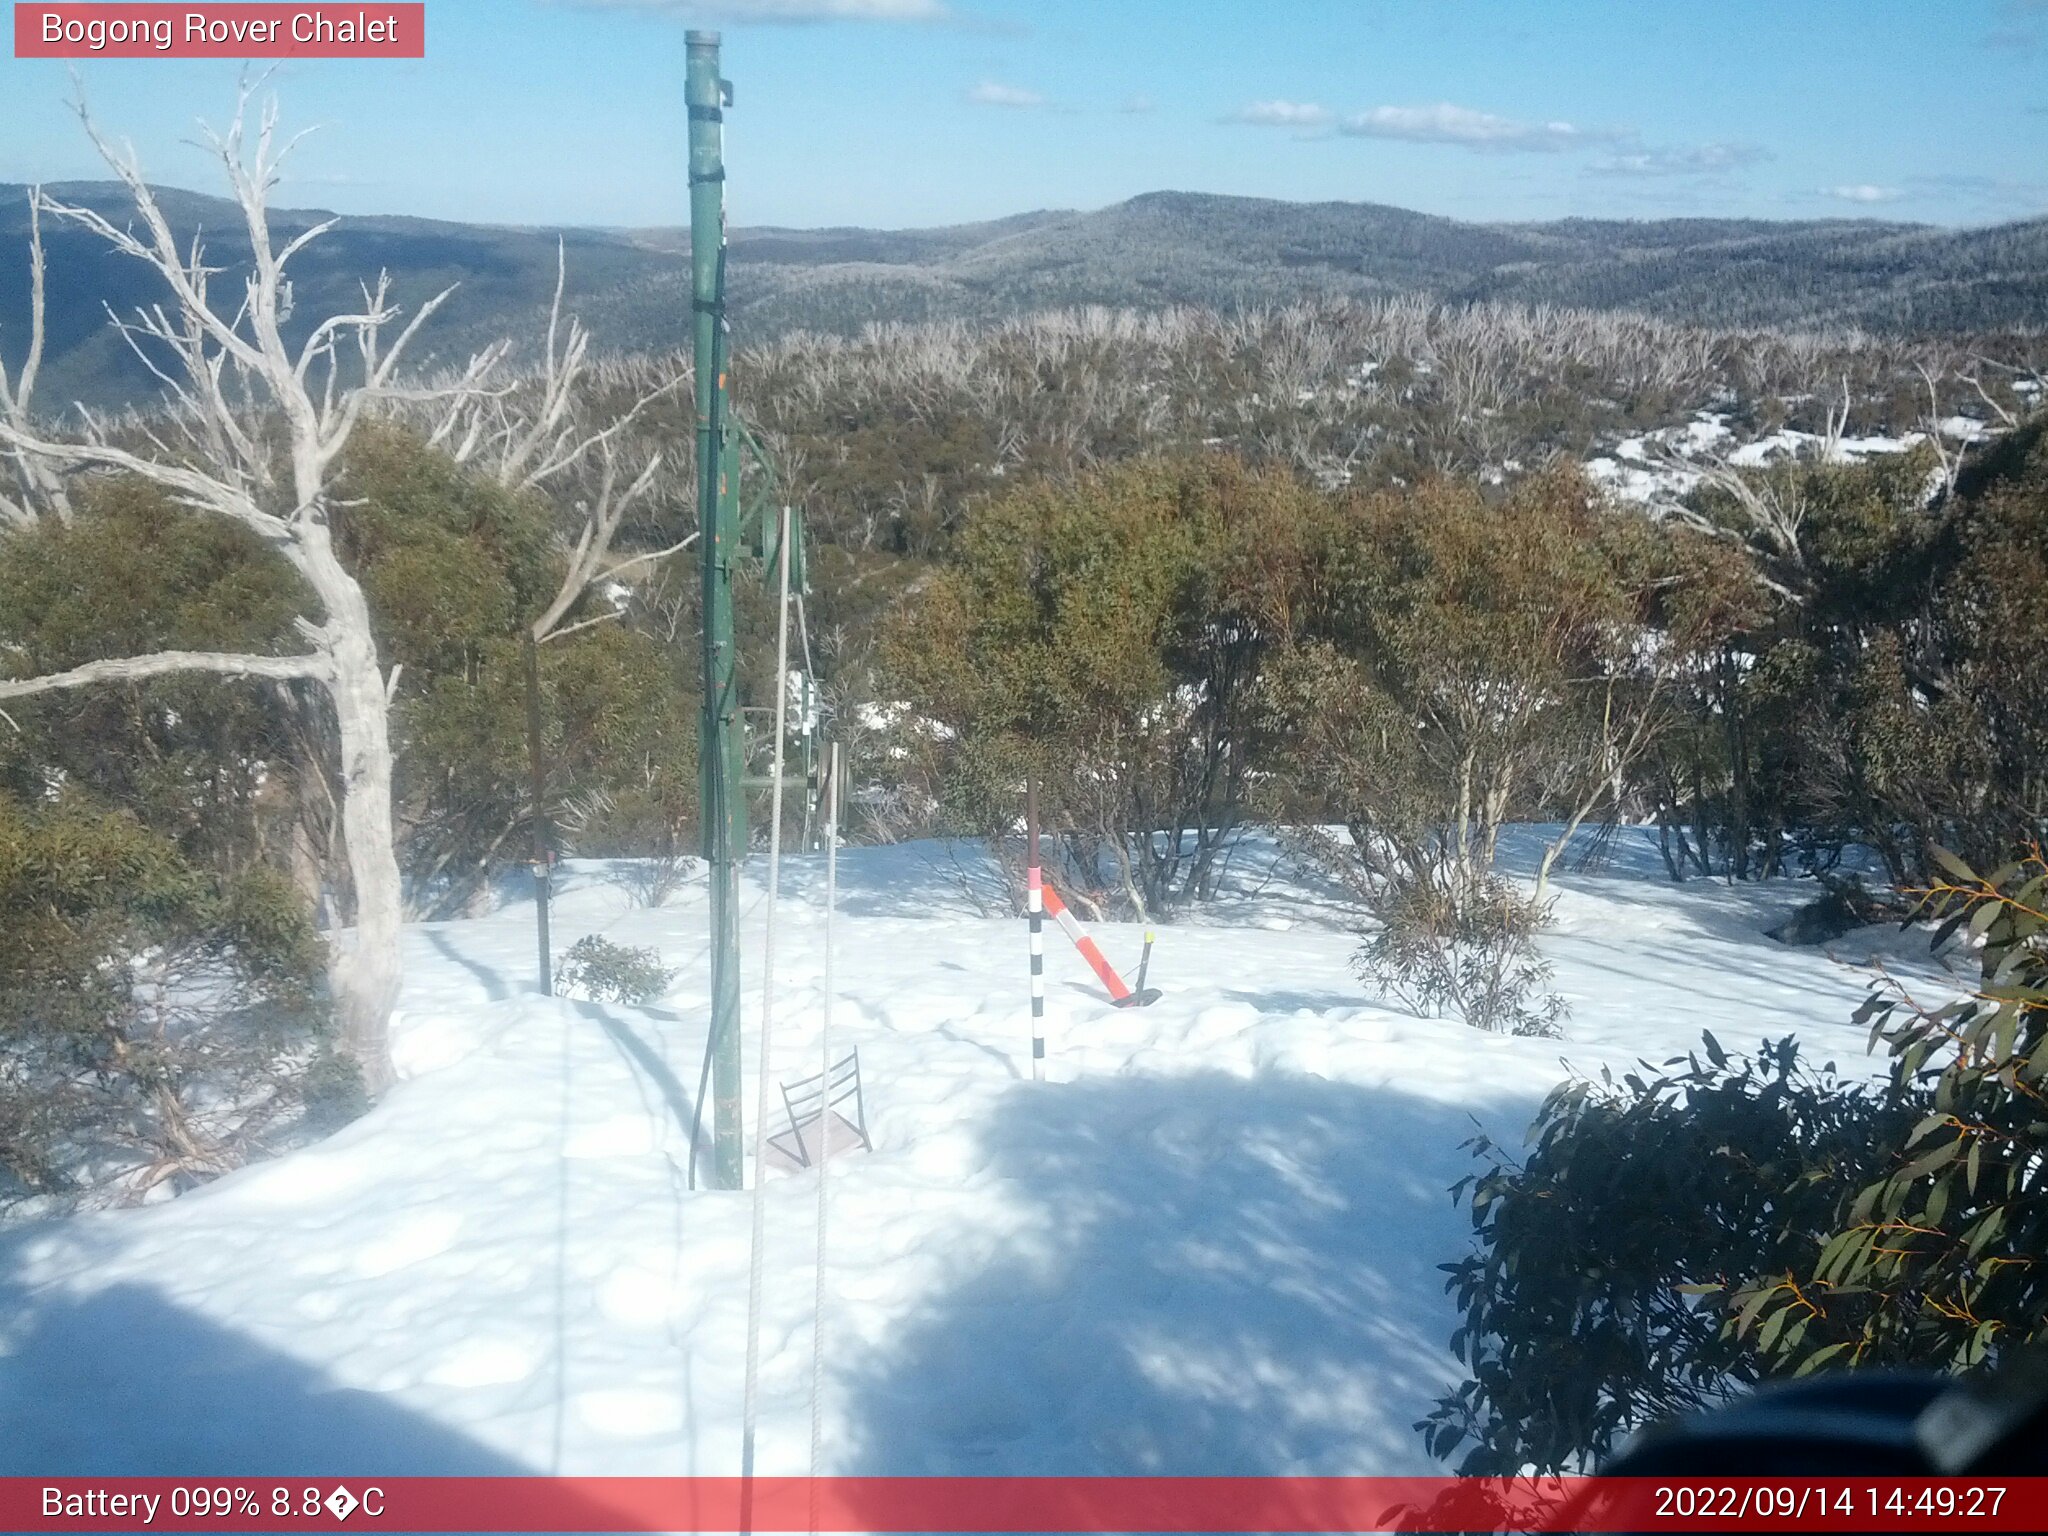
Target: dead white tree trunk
[(38, 490), (233, 384)]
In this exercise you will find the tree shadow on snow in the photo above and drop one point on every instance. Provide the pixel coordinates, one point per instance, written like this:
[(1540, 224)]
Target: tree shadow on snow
[(650, 1066), (1207, 1275), (915, 879), (123, 1382), (495, 986)]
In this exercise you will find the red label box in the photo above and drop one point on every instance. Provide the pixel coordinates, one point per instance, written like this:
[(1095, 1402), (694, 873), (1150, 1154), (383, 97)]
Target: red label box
[(786, 1506), (360, 30)]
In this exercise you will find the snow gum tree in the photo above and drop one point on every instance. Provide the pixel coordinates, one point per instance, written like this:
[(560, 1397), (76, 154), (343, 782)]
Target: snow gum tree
[(1108, 634), (1872, 677), (1438, 688), (253, 433), (1464, 663)]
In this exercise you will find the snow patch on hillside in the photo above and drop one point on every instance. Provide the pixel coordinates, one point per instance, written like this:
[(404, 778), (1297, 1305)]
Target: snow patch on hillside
[(1657, 467)]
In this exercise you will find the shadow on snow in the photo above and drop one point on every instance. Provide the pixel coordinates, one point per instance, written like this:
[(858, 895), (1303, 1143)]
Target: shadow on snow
[(1209, 1275)]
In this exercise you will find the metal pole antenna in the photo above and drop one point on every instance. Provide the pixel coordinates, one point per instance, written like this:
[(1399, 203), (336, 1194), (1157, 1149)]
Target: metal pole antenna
[(721, 804)]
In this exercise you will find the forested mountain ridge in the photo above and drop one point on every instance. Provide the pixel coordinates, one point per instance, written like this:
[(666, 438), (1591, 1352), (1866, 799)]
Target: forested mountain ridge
[(1153, 251)]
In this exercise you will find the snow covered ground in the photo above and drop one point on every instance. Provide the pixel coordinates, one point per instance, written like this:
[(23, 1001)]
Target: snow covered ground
[(1206, 1244)]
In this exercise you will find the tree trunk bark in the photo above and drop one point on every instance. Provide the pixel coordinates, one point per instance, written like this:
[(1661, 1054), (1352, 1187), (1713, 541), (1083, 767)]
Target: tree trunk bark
[(366, 973)]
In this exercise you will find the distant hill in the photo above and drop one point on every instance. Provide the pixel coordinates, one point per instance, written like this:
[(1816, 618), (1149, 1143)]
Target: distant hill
[(1160, 249)]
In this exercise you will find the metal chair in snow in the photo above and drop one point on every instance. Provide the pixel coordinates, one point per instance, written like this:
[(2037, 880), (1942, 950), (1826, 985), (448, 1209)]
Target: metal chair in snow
[(816, 1127)]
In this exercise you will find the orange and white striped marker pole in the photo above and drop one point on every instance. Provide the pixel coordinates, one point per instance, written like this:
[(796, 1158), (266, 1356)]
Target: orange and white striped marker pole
[(1041, 898), (1090, 951)]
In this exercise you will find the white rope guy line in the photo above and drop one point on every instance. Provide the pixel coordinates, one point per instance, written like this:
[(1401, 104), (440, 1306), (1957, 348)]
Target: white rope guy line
[(825, 1141), (751, 1402)]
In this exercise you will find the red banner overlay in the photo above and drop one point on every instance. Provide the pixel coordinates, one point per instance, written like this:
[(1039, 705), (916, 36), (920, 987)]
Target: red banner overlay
[(372, 30), (1019, 1504)]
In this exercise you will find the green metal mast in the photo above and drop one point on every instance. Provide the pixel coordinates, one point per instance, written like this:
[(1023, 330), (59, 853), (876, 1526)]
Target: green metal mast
[(719, 747)]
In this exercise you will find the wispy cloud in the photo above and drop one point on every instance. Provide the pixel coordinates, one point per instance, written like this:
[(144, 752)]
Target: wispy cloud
[(1691, 160), (1993, 196), (990, 93), (1863, 192), (1491, 133), (1283, 114), (786, 12), (1443, 123), (1138, 103), (1486, 132), (2022, 33)]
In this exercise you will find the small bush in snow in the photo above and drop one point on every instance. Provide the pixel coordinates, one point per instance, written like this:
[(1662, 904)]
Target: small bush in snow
[(333, 1092), (604, 972), (1469, 952), (651, 881)]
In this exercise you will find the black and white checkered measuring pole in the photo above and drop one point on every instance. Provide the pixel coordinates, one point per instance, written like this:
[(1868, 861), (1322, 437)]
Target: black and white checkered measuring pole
[(1034, 902)]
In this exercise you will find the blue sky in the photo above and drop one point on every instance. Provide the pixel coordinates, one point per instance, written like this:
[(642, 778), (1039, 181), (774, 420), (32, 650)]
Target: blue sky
[(914, 112)]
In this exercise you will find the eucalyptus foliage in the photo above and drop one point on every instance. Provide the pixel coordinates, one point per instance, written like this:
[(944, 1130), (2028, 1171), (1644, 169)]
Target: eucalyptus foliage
[(1676, 1236), (1943, 1260), (1590, 1304)]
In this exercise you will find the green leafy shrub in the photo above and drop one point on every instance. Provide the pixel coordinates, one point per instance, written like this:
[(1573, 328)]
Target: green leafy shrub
[(1942, 1258), (619, 752), (604, 972), (1107, 634), (1880, 684), (1590, 1308), (159, 1025), (1442, 676), (1671, 1239), (206, 763)]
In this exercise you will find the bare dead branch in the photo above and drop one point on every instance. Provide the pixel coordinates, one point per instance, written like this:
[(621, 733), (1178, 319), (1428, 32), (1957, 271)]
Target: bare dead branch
[(128, 669)]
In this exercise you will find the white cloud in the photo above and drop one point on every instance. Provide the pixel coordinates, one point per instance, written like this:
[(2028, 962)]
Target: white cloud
[(1138, 103), (783, 11), (1863, 192), (1446, 123), (1283, 114), (1692, 160), (991, 94)]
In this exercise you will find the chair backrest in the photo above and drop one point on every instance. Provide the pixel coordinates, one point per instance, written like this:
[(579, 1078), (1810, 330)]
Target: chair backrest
[(807, 1099)]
